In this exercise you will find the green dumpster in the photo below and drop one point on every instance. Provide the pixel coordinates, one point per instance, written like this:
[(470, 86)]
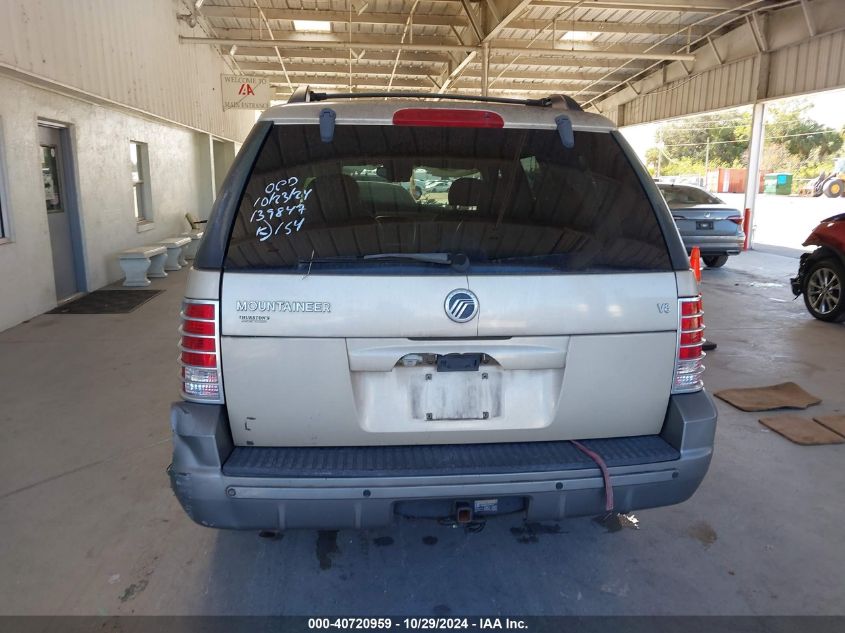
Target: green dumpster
[(779, 184)]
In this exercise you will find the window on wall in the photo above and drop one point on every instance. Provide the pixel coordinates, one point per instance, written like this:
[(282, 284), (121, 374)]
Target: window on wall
[(139, 158)]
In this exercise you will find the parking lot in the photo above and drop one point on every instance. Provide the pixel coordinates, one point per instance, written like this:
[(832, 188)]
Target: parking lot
[(91, 526), (786, 221)]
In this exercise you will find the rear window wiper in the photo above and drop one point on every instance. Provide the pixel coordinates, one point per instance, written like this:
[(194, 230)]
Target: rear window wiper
[(459, 261), (428, 258), (549, 259)]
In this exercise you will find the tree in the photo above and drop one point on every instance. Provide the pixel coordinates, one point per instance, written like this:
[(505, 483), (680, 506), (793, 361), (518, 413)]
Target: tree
[(794, 142), (727, 132), (651, 158), (790, 126)]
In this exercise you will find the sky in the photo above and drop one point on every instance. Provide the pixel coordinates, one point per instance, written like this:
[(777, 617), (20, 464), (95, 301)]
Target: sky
[(826, 108)]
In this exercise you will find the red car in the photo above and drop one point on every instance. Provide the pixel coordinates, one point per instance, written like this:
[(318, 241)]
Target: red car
[(821, 274)]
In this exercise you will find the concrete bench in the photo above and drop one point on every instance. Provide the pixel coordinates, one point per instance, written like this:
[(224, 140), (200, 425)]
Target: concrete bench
[(190, 251), (175, 258), (195, 222), (135, 263)]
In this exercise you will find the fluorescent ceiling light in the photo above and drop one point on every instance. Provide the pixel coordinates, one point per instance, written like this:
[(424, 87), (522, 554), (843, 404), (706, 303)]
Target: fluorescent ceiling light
[(586, 36), (318, 26)]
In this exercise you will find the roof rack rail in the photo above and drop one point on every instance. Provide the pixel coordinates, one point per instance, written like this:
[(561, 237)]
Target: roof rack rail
[(301, 95), (559, 102), (565, 102)]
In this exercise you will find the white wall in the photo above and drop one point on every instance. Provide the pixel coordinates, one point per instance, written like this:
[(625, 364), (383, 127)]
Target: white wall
[(111, 70), (100, 141), (126, 51)]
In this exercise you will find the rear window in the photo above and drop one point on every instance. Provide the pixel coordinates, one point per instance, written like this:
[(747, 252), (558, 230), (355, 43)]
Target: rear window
[(680, 195), (388, 198)]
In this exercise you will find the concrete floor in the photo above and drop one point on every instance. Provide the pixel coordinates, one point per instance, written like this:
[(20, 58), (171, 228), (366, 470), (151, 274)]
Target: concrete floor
[(90, 526)]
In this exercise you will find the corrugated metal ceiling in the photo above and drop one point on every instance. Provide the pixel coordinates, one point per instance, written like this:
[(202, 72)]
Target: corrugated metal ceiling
[(584, 50)]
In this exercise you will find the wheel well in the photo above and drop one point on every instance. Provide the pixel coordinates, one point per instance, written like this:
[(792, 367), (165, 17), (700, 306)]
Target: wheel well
[(825, 252)]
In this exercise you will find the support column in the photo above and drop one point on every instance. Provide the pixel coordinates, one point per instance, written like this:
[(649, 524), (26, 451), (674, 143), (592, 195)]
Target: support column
[(755, 153), (485, 68)]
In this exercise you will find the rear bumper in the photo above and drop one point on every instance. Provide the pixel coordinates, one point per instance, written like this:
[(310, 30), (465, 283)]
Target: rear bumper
[(715, 244), (202, 445)]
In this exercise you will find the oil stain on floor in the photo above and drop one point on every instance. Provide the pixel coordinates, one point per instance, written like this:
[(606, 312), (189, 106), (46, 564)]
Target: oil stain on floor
[(703, 532), (133, 590), (616, 522), (529, 532), (326, 547)]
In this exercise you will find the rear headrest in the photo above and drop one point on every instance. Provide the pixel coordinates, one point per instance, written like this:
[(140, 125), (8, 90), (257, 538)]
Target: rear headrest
[(386, 196), (336, 194), (467, 192)]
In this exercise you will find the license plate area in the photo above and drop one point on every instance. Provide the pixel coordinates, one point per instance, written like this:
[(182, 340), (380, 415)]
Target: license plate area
[(704, 225), (460, 395), (459, 362)]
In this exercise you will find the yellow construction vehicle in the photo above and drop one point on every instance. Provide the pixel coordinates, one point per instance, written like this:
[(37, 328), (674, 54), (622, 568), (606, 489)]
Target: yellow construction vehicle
[(832, 185)]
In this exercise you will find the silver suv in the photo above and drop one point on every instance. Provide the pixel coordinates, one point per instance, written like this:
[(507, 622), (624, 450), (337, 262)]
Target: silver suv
[(356, 347)]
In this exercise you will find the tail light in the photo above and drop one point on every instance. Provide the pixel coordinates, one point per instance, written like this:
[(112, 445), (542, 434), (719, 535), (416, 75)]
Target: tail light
[(688, 362), (200, 351), (736, 219), (442, 117)]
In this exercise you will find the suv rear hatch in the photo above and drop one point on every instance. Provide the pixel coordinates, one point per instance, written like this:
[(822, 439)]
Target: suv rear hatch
[(340, 320)]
